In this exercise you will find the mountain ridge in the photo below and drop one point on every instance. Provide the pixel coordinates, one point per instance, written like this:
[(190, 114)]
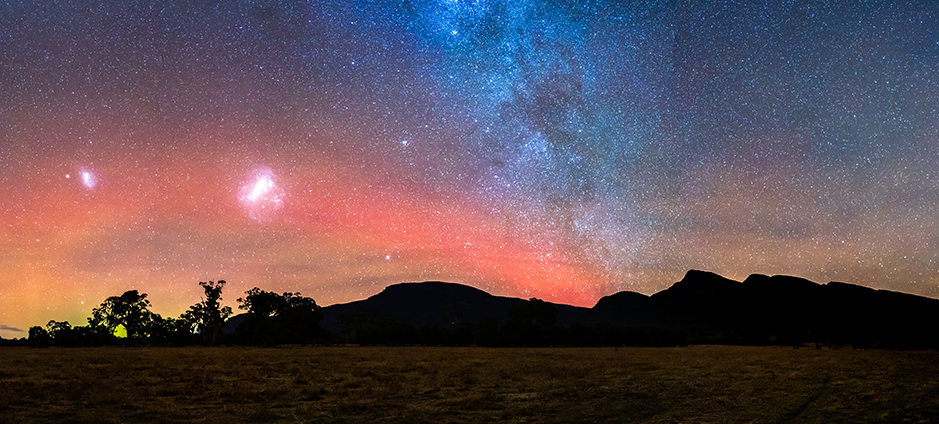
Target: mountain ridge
[(703, 307)]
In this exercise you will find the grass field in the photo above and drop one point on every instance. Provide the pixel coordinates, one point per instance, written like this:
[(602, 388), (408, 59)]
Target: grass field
[(426, 384)]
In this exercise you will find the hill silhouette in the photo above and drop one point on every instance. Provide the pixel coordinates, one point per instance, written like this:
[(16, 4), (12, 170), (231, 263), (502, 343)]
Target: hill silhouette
[(433, 311), (701, 308), (435, 303)]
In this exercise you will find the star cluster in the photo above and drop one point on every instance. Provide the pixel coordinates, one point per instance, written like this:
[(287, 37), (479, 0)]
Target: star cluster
[(559, 150)]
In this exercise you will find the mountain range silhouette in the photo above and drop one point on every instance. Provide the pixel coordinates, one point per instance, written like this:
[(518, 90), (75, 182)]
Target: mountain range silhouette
[(701, 308)]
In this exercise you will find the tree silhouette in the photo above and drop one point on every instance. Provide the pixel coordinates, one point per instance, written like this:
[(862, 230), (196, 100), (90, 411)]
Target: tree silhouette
[(62, 333), (369, 328), (353, 323), (130, 310), (209, 316), (39, 337), (531, 323), (534, 312), (169, 331), (262, 304), (276, 319), (87, 335)]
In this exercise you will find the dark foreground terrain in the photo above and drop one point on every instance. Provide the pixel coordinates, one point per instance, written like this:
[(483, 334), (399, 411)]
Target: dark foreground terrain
[(427, 384)]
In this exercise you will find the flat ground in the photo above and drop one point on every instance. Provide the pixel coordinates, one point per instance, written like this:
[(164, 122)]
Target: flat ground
[(429, 384)]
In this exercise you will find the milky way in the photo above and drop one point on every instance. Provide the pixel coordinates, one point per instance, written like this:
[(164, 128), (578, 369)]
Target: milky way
[(559, 150)]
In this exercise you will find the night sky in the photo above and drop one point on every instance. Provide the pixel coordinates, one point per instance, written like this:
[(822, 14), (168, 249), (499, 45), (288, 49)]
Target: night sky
[(552, 149)]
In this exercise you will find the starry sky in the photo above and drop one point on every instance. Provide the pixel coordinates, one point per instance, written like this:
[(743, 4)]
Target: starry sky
[(563, 150)]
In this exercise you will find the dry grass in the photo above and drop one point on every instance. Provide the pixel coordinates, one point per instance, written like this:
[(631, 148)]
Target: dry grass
[(413, 385)]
